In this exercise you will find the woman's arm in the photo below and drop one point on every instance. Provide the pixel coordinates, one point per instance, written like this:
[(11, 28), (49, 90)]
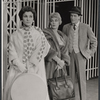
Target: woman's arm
[(13, 57), (42, 49), (60, 62), (66, 58)]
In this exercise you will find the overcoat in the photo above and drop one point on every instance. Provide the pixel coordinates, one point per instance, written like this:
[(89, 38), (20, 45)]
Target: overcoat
[(55, 50), (30, 45)]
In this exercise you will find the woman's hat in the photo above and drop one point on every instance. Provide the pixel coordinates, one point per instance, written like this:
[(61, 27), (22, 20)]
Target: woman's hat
[(76, 10)]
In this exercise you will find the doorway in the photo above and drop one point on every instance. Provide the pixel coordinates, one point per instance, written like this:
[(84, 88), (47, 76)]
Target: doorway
[(63, 8)]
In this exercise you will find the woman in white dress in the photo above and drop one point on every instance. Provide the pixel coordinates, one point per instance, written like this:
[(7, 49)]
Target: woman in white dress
[(27, 49)]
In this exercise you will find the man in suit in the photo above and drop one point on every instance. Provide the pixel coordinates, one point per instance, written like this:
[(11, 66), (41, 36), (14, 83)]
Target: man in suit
[(80, 35)]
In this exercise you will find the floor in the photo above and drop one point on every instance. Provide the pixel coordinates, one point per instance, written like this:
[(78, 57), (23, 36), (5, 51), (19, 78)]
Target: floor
[(92, 89)]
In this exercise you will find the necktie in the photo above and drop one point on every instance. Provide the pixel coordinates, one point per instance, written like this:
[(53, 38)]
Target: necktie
[(74, 27)]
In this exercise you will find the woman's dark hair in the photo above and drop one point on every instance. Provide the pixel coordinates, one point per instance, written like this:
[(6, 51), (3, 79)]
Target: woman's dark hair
[(27, 9)]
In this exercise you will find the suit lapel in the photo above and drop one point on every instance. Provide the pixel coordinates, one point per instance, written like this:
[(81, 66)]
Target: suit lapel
[(70, 36), (71, 31)]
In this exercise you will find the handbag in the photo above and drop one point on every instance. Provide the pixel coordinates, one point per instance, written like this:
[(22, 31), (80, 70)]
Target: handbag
[(61, 88)]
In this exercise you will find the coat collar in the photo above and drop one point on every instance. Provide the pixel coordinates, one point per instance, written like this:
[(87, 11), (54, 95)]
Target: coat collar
[(27, 28)]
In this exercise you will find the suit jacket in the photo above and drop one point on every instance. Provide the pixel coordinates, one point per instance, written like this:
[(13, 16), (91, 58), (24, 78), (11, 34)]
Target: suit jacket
[(87, 41)]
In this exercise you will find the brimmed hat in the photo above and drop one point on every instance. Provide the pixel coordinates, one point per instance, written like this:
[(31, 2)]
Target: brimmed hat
[(76, 10)]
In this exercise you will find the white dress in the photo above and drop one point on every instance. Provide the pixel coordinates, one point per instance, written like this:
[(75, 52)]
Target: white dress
[(26, 45)]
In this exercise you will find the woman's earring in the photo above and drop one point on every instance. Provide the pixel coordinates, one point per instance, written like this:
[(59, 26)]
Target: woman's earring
[(50, 26), (21, 22), (33, 22)]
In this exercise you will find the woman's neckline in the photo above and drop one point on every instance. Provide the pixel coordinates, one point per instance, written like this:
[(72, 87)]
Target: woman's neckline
[(56, 33), (27, 28)]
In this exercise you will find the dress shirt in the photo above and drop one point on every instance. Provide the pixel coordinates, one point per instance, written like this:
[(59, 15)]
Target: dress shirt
[(75, 38)]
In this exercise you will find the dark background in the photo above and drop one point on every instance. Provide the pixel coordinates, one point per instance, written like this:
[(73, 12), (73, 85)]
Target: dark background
[(63, 9)]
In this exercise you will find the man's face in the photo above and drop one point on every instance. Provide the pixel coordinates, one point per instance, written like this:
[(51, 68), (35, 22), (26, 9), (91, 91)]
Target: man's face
[(74, 18)]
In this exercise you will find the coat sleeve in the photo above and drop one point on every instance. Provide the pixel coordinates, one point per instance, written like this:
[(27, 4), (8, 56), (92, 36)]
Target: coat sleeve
[(66, 58), (65, 53), (12, 51), (41, 50), (64, 30), (93, 40), (13, 57), (52, 52)]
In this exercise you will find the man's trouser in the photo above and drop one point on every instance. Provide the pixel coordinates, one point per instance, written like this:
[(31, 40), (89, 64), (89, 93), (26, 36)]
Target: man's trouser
[(78, 63)]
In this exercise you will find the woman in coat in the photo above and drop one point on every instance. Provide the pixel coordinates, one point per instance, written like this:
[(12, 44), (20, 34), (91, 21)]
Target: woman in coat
[(58, 54), (27, 49)]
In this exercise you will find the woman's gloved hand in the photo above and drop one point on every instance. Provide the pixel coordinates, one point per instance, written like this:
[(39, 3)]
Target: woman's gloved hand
[(61, 64), (20, 66)]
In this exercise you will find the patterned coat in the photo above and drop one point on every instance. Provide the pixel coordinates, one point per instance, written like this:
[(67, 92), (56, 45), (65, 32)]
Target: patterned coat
[(26, 46)]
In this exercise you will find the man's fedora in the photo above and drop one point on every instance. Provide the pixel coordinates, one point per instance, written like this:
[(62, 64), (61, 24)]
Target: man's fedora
[(76, 10)]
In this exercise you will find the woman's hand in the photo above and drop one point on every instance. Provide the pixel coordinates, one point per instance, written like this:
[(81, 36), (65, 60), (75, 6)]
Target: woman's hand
[(61, 64), (19, 65), (22, 67), (58, 67)]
